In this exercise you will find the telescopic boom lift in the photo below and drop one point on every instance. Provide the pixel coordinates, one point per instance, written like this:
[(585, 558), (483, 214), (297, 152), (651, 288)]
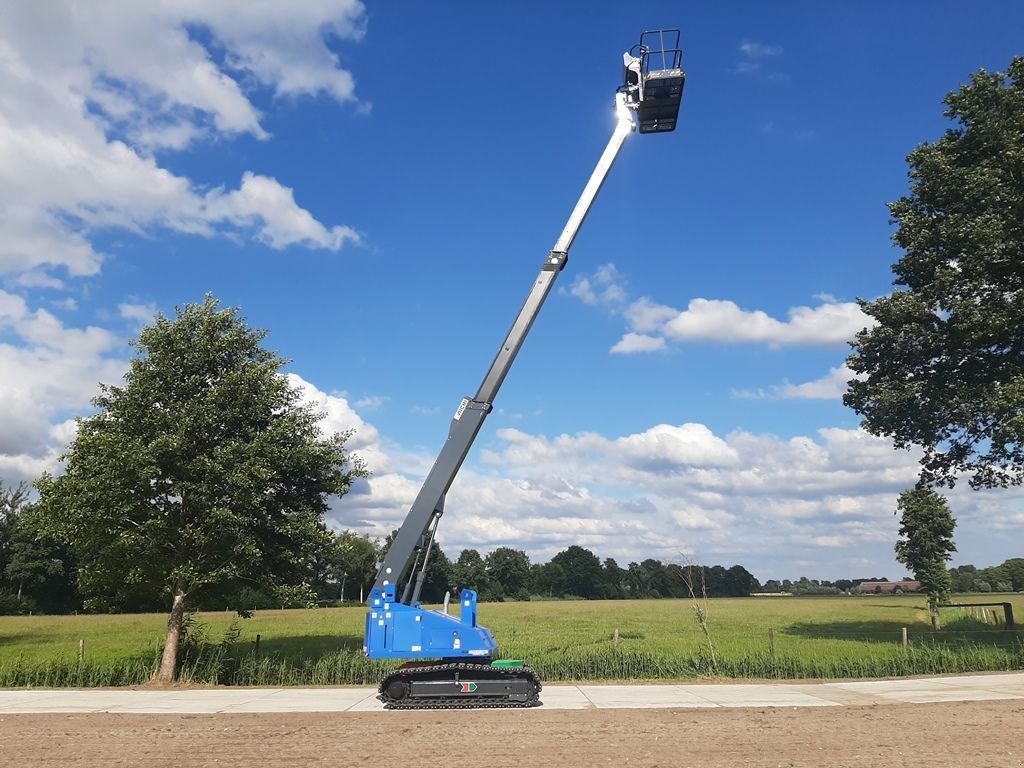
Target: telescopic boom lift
[(460, 671)]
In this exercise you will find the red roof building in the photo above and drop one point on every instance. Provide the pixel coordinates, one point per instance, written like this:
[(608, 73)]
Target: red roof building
[(888, 587)]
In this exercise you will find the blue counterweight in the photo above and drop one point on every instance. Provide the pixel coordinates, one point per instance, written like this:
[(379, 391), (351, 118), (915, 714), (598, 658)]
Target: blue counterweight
[(398, 631)]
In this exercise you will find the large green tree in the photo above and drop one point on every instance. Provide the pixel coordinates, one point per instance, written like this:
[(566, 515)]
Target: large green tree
[(204, 468), (508, 570), (581, 572), (13, 500), (470, 571), (926, 542), (34, 558), (355, 566), (943, 367)]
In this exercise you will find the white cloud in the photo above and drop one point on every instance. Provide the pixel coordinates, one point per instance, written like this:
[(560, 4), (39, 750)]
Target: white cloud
[(652, 325), (822, 504), (142, 314), (753, 50), (760, 500), (91, 89), (832, 385), (270, 208), (37, 279), (51, 369), (638, 342), (725, 321), (644, 316), (340, 417), (606, 287), (716, 320), (752, 55)]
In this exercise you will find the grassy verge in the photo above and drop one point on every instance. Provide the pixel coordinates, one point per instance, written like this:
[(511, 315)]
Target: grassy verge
[(219, 666), (658, 640)]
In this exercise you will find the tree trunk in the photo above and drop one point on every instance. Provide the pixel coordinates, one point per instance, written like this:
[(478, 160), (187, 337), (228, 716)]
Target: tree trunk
[(20, 584), (168, 672)]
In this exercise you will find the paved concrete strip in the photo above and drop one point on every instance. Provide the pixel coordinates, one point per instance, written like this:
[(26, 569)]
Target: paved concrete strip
[(226, 700)]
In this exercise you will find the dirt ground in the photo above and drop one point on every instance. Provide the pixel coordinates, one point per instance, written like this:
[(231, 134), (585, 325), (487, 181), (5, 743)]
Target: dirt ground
[(978, 733)]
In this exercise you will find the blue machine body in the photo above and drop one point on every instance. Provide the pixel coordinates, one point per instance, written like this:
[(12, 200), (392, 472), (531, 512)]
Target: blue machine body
[(398, 631)]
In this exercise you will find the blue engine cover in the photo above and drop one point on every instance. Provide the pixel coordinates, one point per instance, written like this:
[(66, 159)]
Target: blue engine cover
[(398, 631)]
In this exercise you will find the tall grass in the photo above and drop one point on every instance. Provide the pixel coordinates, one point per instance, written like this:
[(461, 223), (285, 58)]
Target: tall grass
[(219, 665), (659, 640)]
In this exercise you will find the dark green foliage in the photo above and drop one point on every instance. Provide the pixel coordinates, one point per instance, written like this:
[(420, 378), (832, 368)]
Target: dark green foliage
[(12, 605), (577, 572), (345, 566), (470, 571), (202, 471), (944, 366), (508, 570), (203, 468), (37, 569), (13, 502), (438, 579), (926, 541), (581, 573), (614, 579), (1010, 574)]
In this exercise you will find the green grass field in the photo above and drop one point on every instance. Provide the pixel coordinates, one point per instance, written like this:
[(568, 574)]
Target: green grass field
[(658, 639)]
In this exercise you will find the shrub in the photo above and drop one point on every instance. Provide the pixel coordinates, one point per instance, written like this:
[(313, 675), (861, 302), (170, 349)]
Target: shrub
[(12, 605)]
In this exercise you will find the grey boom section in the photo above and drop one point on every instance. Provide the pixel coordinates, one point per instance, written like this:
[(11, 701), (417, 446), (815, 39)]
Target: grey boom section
[(471, 413)]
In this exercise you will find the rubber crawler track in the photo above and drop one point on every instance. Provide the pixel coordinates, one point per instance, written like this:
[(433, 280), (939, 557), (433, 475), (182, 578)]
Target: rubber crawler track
[(461, 702)]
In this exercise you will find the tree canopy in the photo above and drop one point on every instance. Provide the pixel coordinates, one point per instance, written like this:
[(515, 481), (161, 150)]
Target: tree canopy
[(926, 541), (205, 468), (943, 367)]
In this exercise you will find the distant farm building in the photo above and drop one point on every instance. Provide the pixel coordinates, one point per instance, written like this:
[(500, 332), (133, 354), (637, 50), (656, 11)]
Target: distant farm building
[(887, 587)]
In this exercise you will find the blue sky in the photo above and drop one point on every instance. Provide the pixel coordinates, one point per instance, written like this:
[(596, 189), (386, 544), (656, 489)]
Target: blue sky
[(377, 185)]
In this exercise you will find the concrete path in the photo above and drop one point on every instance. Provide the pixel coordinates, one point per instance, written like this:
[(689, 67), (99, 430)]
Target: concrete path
[(226, 700)]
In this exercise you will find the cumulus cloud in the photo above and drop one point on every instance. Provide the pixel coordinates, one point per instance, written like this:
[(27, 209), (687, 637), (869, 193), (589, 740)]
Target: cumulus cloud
[(339, 418), (820, 503), (141, 314), (751, 57), (651, 325), (754, 50), (638, 342), (725, 321), (825, 499), (91, 90), (270, 209), (606, 287), (832, 385), (50, 369)]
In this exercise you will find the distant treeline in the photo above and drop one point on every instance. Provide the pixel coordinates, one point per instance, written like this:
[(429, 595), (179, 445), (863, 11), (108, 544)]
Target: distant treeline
[(37, 574), (1008, 577)]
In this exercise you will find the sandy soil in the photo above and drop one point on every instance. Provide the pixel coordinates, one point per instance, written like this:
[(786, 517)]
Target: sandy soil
[(982, 733)]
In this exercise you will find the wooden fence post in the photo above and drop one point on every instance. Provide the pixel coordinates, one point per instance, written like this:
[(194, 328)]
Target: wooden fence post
[(81, 651), (771, 642), (904, 637), (615, 637), (257, 643)]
